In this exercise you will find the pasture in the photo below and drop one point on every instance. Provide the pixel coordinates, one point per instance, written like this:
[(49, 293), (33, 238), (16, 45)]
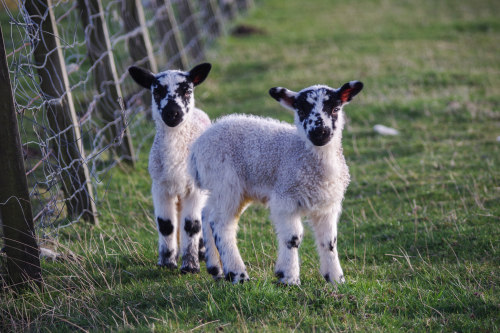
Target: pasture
[(419, 234)]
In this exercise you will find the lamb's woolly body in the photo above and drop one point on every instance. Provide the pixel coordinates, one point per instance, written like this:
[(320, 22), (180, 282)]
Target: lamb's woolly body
[(273, 163), (175, 196), (296, 170), (169, 153)]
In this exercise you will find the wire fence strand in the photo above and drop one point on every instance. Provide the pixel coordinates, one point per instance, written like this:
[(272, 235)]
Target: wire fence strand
[(67, 154)]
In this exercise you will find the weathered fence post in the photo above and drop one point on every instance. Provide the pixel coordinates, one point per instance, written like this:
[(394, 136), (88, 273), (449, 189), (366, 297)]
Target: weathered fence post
[(244, 5), (105, 76), (169, 30), (211, 11), (229, 9), (191, 30), (58, 100), (139, 45), (22, 251)]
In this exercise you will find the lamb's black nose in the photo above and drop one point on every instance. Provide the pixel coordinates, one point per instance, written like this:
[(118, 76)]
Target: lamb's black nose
[(172, 114), (320, 136)]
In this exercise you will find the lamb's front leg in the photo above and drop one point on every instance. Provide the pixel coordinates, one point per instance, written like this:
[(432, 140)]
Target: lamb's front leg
[(191, 236), (325, 229), (166, 221), (290, 233)]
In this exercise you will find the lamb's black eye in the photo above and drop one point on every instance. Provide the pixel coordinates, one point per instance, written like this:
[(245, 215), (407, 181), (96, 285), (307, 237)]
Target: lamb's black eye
[(159, 92), (336, 109), (187, 93)]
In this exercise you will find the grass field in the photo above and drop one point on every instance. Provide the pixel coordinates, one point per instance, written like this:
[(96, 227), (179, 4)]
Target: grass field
[(419, 235)]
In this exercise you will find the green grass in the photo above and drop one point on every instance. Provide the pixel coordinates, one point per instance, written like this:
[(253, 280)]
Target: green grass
[(419, 235)]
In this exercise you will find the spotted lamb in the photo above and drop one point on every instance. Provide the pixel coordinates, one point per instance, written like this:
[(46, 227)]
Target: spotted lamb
[(296, 170), (178, 124)]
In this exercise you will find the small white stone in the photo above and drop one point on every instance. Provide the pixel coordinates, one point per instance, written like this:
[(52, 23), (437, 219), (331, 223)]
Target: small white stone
[(48, 254), (384, 130)]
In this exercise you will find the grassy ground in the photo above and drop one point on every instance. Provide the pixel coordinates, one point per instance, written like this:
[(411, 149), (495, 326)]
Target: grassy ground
[(419, 236)]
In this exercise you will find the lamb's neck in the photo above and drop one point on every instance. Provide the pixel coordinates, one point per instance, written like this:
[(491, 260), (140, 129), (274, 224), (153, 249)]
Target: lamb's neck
[(170, 135), (332, 150)]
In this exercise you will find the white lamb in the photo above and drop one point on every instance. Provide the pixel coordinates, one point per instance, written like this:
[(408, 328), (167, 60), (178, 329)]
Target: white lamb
[(296, 170), (178, 124)]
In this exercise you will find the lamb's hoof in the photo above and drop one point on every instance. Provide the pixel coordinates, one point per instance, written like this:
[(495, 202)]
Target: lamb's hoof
[(190, 264), (169, 265), (215, 272), (287, 280), (190, 269), (237, 277), (337, 281)]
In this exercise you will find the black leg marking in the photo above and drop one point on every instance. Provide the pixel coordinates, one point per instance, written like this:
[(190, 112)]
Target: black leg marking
[(230, 276), (201, 249), (293, 242), (279, 274), (165, 226), (214, 271), (331, 244), (192, 227), (327, 277), (166, 260), (341, 278), (166, 254)]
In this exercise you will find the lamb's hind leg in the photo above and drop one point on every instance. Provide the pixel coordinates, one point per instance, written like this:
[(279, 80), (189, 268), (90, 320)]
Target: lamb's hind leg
[(191, 231), (214, 266), (166, 222), (290, 233), (224, 226), (325, 229)]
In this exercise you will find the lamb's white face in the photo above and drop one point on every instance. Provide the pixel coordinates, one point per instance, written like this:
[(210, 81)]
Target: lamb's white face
[(318, 108), (172, 96), (172, 91)]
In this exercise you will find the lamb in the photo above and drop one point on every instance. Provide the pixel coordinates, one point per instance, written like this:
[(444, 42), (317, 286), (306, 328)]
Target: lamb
[(178, 124), (296, 170)]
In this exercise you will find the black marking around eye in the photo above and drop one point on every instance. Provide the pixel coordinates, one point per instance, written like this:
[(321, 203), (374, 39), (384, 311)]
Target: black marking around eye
[(302, 106), (182, 89), (329, 106), (159, 93)]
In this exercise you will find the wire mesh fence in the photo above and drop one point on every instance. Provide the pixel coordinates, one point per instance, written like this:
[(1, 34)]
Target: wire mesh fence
[(79, 115)]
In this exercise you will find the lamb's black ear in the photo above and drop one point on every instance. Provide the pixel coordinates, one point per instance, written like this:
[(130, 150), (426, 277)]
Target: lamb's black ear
[(284, 96), (199, 73), (142, 76), (349, 90)]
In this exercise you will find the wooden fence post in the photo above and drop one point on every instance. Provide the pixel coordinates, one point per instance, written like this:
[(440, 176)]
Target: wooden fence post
[(139, 46), (229, 9), (244, 5), (63, 122), (105, 75), (212, 12), (23, 262), (191, 30), (169, 29)]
